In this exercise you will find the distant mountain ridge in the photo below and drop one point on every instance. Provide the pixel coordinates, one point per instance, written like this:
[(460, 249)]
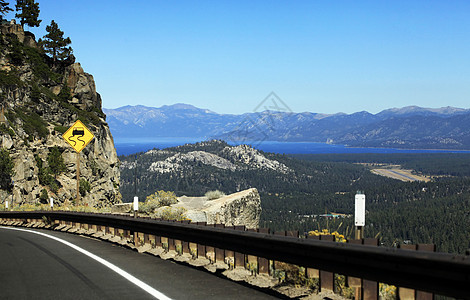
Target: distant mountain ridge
[(407, 127)]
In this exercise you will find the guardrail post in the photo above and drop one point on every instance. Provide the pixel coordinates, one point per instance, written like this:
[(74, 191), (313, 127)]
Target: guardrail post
[(313, 273), (152, 242), (219, 253), (420, 295), (406, 293), (252, 261), (186, 249), (184, 244), (139, 239), (171, 244), (327, 279), (277, 265), (355, 282), (370, 288), (110, 230), (158, 242), (201, 249), (178, 247), (263, 263), (118, 232), (239, 257)]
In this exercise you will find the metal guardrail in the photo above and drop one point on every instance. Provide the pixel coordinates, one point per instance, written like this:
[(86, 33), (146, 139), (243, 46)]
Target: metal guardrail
[(439, 273)]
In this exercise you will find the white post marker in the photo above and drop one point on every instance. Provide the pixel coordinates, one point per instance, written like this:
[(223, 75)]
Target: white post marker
[(52, 202), (136, 206), (360, 214), (6, 204), (360, 210)]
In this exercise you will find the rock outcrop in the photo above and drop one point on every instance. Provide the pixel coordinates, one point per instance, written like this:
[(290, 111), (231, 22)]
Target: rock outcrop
[(230, 158), (177, 162), (40, 100), (242, 208), (253, 158)]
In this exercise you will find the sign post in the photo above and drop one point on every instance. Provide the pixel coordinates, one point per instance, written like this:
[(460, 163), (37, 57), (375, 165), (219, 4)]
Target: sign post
[(360, 214), (78, 136)]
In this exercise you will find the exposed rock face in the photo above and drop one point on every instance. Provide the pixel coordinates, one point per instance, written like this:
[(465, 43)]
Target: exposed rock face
[(252, 158), (242, 208), (37, 114), (230, 158), (176, 161)]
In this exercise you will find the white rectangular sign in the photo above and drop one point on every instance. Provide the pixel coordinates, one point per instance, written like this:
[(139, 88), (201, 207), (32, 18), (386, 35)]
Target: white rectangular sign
[(136, 203), (360, 210)]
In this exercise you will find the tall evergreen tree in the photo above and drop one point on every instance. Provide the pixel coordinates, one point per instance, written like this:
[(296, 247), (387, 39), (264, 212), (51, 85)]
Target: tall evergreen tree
[(28, 12), (56, 161), (6, 169), (55, 44), (4, 7)]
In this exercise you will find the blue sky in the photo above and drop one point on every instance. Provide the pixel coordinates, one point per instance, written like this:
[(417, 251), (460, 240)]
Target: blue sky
[(227, 56)]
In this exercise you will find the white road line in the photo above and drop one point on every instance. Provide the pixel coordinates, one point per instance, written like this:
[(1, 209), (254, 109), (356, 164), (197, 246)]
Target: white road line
[(116, 269)]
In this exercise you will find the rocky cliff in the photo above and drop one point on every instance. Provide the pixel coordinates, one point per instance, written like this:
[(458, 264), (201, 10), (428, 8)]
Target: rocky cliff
[(40, 100)]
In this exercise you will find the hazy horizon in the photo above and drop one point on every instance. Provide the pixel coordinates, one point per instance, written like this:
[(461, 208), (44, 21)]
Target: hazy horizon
[(339, 112)]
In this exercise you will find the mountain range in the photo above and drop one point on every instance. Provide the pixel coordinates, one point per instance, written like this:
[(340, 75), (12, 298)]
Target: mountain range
[(407, 127)]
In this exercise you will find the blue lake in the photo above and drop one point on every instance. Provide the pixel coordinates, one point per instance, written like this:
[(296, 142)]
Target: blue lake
[(130, 146)]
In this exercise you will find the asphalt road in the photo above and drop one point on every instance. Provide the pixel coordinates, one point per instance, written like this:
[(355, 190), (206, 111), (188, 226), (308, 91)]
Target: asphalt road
[(33, 266)]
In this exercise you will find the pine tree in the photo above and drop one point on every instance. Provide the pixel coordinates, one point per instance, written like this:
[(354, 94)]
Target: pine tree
[(6, 169), (28, 12), (4, 8), (55, 44), (56, 161)]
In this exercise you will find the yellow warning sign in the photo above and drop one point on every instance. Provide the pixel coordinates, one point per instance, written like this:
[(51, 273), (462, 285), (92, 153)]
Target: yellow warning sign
[(78, 136)]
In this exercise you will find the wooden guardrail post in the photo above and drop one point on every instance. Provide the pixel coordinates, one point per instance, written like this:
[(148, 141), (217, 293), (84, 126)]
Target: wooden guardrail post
[(263, 263), (411, 294), (406, 293), (370, 289), (277, 265), (327, 279), (186, 250), (355, 282), (313, 273), (147, 239), (252, 261), (210, 251), (420, 295), (219, 253), (239, 257), (229, 254), (201, 249)]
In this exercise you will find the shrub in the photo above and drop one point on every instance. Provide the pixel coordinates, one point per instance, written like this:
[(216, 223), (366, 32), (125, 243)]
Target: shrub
[(10, 79), (212, 195), (6, 130), (85, 187), (176, 214), (44, 197), (32, 123), (163, 198), (60, 129)]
